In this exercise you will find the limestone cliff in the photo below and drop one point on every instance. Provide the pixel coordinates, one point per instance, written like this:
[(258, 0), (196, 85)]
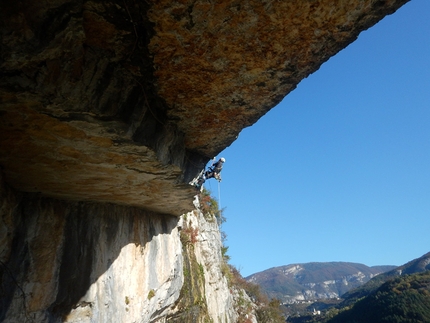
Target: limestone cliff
[(107, 110), (85, 262), (125, 101), (90, 262)]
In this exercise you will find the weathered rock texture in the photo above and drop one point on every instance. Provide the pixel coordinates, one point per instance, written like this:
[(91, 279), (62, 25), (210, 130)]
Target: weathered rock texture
[(125, 101), (107, 110), (230, 62), (85, 262), (207, 295), (202, 242), (91, 262)]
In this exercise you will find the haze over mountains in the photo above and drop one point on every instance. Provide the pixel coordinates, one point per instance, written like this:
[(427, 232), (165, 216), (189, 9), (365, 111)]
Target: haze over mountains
[(399, 296), (417, 265), (315, 280), (325, 280)]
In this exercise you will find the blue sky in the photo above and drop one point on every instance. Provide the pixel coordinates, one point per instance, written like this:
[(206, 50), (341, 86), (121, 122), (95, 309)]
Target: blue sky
[(340, 169)]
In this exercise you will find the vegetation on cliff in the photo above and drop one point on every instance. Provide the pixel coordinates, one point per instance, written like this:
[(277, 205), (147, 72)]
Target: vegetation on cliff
[(249, 302), (192, 306), (266, 310)]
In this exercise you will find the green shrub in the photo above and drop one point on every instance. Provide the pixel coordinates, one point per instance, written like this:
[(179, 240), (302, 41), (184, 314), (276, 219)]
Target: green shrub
[(151, 294)]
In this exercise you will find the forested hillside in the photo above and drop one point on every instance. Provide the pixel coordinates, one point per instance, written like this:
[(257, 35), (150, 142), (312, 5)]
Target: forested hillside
[(403, 300)]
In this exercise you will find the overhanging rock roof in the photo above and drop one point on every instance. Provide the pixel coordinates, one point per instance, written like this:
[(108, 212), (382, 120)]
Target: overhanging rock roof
[(124, 102)]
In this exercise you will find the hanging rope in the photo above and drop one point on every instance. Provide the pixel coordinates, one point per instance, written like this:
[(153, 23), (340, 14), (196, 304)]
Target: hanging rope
[(219, 195)]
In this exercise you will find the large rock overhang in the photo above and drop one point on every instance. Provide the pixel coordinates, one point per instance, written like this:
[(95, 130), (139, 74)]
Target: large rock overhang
[(124, 102)]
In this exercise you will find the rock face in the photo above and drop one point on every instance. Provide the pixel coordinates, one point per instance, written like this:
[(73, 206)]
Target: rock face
[(206, 294), (231, 62), (107, 110), (85, 262), (207, 251), (91, 262), (124, 102), (80, 117)]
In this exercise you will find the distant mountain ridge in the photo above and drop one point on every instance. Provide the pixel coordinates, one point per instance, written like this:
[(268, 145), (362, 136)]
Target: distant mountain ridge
[(315, 280), (404, 299), (399, 295), (417, 265)]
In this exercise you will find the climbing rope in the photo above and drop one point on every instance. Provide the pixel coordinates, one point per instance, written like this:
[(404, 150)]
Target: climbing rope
[(219, 195)]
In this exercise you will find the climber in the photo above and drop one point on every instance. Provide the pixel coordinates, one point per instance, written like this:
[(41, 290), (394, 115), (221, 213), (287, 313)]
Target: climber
[(213, 172)]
